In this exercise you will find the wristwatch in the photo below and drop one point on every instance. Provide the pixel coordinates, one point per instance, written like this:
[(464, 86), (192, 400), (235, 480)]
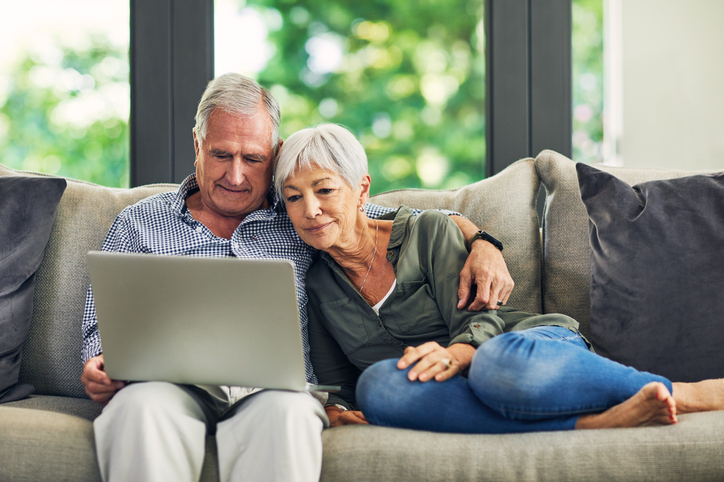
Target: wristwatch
[(485, 237)]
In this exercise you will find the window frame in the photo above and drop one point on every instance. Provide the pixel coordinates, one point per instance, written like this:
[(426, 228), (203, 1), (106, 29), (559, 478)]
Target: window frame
[(172, 60)]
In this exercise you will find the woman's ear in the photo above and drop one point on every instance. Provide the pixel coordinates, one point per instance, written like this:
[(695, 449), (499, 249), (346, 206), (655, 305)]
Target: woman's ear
[(365, 189)]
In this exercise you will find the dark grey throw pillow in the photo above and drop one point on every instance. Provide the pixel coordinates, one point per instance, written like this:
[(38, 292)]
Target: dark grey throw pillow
[(657, 272), (27, 211)]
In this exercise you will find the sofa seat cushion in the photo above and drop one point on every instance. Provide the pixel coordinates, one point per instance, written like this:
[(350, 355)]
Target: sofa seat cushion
[(44, 445), (51, 438), (77, 407), (503, 205), (690, 450)]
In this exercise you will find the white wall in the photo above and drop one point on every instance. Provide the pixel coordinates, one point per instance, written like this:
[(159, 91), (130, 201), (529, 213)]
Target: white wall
[(672, 83)]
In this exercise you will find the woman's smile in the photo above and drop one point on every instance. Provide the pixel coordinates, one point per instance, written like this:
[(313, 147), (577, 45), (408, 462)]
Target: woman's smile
[(318, 229)]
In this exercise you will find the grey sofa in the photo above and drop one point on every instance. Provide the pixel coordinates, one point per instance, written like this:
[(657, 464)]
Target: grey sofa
[(49, 436)]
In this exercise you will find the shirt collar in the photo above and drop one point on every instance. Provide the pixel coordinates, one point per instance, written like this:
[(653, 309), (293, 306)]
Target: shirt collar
[(187, 188), (397, 237), (399, 227)]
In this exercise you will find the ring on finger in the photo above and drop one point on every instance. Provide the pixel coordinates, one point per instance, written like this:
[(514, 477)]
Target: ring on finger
[(447, 362)]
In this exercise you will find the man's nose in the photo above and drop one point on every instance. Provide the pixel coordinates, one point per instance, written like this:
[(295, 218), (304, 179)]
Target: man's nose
[(235, 174)]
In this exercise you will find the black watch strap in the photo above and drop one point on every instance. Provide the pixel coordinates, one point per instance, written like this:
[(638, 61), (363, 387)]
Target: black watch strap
[(485, 237)]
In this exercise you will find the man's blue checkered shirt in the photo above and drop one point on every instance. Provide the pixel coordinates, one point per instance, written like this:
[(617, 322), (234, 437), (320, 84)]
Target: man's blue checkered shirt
[(162, 224)]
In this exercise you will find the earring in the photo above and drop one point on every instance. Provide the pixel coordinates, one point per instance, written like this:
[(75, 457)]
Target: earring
[(361, 208)]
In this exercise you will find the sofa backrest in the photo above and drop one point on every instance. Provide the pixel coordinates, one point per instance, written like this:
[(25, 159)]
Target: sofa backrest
[(51, 353), (505, 206), (566, 281)]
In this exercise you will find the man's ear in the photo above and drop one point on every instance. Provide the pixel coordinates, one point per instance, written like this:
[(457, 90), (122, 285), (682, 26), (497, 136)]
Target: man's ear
[(365, 189), (196, 147), (276, 155)]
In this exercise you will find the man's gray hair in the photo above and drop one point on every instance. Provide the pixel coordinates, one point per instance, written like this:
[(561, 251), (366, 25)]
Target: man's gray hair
[(236, 95), (329, 146)]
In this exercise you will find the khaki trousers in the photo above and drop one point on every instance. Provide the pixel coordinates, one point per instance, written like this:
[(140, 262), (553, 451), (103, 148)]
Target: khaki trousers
[(156, 431)]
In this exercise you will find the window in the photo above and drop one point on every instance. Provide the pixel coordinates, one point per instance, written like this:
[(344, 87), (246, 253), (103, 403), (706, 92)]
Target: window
[(588, 80), (64, 91), (646, 76), (408, 78), (663, 83)]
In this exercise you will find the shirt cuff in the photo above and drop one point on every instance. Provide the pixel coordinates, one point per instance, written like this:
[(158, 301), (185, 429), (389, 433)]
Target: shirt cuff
[(337, 400)]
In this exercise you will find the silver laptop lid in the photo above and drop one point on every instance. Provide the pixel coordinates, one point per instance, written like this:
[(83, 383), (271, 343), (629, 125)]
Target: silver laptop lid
[(219, 321)]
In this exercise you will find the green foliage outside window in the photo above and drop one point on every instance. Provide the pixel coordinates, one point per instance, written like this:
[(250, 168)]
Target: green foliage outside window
[(588, 80), (64, 111), (410, 83)]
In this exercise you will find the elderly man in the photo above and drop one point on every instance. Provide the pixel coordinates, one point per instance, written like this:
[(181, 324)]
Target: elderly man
[(157, 430)]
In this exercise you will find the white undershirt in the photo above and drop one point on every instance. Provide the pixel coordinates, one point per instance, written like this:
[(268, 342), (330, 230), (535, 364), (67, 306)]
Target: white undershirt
[(382, 301)]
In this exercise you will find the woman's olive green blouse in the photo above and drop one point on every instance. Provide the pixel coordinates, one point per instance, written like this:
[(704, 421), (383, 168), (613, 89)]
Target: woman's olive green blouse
[(427, 252)]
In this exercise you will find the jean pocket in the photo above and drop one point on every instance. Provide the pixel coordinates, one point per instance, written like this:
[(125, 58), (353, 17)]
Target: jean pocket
[(347, 324)]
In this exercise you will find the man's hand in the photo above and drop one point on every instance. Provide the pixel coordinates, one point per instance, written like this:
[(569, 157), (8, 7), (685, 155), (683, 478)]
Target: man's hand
[(338, 417), (433, 361), (485, 270), (97, 384)]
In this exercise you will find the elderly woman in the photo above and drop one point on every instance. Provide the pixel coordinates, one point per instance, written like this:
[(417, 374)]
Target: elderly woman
[(383, 303)]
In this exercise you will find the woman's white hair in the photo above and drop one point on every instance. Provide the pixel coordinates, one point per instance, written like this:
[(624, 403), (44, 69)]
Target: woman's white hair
[(327, 146), (240, 95)]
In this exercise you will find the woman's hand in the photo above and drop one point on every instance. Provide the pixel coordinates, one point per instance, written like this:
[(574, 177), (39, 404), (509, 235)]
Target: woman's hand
[(433, 361), (338, 417)]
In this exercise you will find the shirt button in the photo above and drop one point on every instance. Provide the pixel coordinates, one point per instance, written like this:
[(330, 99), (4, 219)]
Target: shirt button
[(476, 325), (199, 229), (390, 254)]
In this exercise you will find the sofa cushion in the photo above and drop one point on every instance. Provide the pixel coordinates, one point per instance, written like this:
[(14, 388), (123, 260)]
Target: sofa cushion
[(42, 445), (566, 279), (503, 205), (657, 253), (690, 450), (78, 407), (51, 354), (27, 210)]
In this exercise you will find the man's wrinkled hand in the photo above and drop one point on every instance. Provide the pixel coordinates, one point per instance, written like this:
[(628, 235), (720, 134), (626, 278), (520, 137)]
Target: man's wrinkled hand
[(486, 275), (99, 387)]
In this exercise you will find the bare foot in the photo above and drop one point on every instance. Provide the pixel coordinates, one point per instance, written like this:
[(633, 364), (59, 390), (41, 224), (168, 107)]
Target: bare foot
[(652, 405), (703, 396)]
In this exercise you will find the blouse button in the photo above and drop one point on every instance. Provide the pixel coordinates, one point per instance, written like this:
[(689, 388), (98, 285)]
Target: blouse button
[(476, 325), (199, 229)]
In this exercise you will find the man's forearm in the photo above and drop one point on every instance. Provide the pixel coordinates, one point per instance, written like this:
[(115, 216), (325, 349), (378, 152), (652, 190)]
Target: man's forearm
[(467, 227)]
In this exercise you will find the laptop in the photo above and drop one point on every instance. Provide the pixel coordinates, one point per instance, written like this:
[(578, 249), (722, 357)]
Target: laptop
[(206, 321)]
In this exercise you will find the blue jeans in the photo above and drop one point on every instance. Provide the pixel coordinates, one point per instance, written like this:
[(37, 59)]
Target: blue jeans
[(539, 379)]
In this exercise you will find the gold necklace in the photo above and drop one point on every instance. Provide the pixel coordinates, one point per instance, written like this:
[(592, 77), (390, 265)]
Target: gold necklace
[(377, 228)]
